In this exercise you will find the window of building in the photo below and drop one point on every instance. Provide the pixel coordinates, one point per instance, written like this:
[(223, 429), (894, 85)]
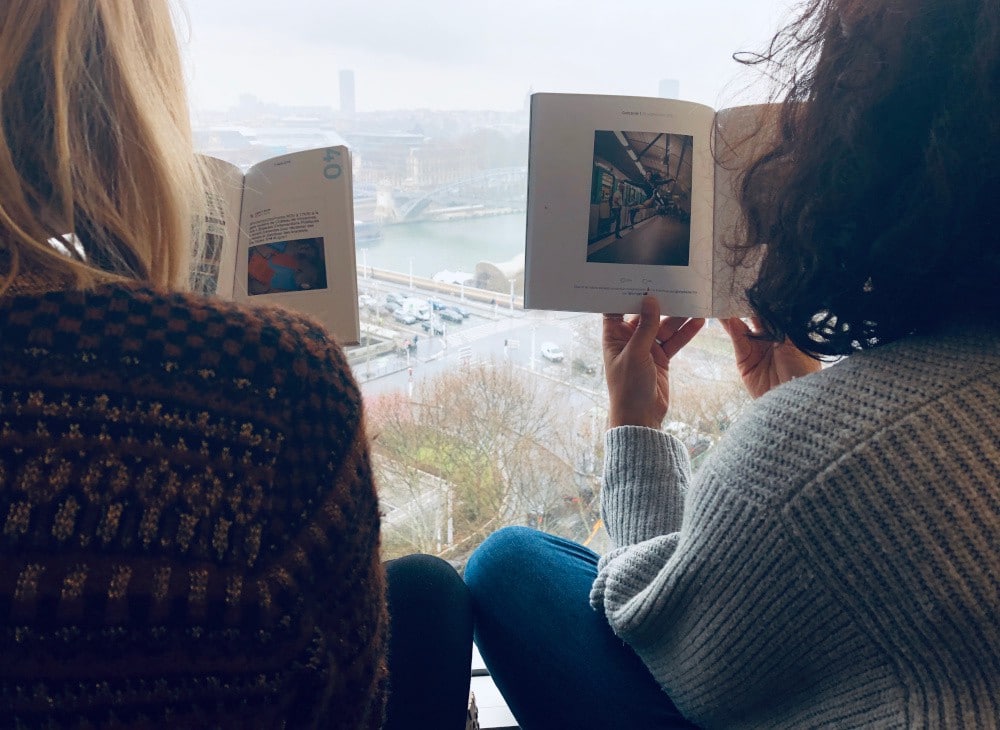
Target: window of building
[(482, 414)]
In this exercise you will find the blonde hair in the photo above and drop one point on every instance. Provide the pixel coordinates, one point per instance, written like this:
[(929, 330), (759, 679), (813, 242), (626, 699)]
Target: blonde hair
[(95, 142)]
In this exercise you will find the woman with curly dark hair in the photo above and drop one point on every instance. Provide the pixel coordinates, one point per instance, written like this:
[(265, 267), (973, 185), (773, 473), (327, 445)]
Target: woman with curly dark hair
[(877, 206), (834, 561)]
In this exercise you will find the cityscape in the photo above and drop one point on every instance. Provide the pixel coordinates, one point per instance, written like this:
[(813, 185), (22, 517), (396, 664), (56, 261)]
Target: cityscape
[(481, 413)]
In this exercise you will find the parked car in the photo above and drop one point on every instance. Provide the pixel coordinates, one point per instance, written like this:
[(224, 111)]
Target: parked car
[(435, 328), (416, 306), (393, 298), (367, 301), (450, 315), (462, 311), (405, 317), (437, 306), (552, 352), (585, 367)]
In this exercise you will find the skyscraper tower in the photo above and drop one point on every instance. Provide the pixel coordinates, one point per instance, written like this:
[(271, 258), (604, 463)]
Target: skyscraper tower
[(347, 91)]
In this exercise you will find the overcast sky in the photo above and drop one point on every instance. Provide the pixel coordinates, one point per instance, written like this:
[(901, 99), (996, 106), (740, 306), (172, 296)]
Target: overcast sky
[(469, 54)]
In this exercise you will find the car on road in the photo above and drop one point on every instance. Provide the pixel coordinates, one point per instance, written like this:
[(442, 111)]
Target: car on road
[(552, 352), (404, 317), (416, 306), (451, 315), (435, 328)]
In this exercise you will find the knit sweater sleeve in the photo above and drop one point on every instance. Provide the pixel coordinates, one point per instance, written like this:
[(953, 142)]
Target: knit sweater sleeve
[(691, 574), (646, 476)]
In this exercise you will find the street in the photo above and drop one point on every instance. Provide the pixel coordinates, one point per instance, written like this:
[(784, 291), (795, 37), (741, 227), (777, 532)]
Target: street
[(489, 334)]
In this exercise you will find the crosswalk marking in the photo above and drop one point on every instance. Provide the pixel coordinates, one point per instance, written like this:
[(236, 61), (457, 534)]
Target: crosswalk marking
[(467, 336)]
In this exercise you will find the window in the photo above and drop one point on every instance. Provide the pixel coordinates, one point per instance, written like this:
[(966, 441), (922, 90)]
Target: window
[(476, 422)]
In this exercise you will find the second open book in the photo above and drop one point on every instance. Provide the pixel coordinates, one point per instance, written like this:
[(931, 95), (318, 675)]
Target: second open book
[(630, 196), (283, 233)]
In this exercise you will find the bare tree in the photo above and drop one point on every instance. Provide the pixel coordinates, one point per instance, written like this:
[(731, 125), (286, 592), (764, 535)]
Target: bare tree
[(415, 507), (487, 432), (706, 393)]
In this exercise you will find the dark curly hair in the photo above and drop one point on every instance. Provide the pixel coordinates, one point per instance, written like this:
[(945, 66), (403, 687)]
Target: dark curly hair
[(878, 205)]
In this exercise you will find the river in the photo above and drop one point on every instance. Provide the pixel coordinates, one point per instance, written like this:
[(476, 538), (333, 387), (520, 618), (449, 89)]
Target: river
[(456, 245)]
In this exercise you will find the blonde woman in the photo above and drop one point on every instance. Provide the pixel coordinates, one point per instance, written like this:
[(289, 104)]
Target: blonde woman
[(188, 527)]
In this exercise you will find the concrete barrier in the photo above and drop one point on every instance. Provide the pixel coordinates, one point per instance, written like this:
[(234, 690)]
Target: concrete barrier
[(480, 296)]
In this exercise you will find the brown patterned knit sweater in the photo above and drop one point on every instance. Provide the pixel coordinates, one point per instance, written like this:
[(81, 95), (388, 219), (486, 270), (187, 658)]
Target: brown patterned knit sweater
[(188, 527)]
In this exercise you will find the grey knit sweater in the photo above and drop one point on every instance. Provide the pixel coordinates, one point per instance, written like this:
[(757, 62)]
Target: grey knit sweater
[(836, 561)]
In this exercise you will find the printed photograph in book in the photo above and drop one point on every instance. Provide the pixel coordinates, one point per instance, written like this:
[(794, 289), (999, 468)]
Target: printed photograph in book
[(640, 198), (285, 266)]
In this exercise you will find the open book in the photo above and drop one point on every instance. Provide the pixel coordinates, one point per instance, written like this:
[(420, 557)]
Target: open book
[(634, 195), (284, 233)]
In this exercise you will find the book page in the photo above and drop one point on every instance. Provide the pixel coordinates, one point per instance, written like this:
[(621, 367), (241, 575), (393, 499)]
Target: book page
[(297, 238), (213, 271), (619, 204), (742, 133)]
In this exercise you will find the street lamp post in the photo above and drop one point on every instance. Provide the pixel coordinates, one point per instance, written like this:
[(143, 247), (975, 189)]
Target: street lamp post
[(450, 539), (411, 272), (368, 355), (532, 348)]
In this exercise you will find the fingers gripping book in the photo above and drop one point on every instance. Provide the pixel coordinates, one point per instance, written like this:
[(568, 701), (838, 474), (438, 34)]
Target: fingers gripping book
[(630, 196), (283, 232)]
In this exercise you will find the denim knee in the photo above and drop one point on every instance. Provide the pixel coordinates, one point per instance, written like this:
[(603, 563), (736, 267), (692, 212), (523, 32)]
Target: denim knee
[(496, 555)]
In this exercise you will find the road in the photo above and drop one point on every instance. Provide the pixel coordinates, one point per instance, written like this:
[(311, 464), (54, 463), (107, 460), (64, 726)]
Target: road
[(489, 334)]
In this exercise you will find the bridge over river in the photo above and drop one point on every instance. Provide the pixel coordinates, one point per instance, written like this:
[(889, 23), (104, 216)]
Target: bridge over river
[(498, 190)]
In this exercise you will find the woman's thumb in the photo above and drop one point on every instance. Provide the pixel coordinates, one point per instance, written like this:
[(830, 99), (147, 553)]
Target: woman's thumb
[(649, 323)]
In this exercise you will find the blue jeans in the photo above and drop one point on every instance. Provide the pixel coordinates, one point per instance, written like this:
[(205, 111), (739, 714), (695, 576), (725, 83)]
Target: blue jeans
[(556, 661)]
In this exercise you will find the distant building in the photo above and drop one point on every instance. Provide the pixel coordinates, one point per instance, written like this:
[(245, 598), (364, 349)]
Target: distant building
[(499, 277), (670, 88), (245, 146), (347, 91), (453, 277)]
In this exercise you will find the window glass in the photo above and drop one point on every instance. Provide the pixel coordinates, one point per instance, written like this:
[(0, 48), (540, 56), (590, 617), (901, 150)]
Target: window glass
[(481, 414)]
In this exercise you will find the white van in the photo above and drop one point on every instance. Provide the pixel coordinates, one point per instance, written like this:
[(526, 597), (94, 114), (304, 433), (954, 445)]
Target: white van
[(419, 308)]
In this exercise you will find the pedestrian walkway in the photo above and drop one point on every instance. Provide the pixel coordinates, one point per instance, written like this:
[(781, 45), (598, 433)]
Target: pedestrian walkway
[(458, 336)]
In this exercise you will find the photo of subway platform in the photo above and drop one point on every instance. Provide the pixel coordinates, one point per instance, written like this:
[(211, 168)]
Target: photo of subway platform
[(640, 200)]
